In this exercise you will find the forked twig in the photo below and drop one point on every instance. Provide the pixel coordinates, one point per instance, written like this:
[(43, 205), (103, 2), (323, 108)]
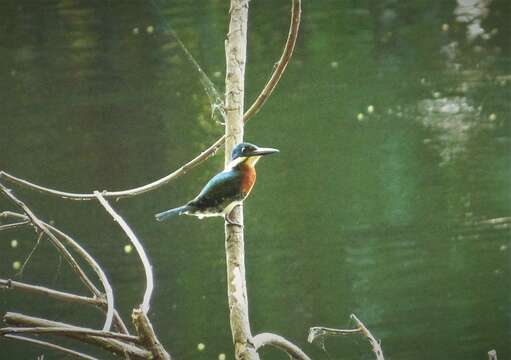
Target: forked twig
[(319, 331), (374, 343)]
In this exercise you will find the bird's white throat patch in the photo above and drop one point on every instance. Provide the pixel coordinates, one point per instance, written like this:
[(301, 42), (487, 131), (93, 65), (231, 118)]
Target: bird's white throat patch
[(252, 160)]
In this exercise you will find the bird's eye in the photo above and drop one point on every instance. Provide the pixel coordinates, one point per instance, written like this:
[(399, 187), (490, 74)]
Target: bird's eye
[(243, 149)]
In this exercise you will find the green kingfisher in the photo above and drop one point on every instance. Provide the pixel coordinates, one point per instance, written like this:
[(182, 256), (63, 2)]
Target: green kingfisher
[(226, 189)]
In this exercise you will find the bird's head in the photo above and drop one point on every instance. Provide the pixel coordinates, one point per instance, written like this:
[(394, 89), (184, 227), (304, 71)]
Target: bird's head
[(247, 152)]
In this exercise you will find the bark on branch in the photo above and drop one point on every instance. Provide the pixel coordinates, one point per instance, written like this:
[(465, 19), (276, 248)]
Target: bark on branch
[(235, 51), (148, 336)]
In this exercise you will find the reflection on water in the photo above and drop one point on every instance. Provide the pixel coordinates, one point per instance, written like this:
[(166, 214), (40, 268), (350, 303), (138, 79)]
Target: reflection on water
[(473, 12), (453, 121), (390, 197)]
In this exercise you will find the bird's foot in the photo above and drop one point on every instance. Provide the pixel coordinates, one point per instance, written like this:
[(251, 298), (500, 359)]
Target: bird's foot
[(229, 221)]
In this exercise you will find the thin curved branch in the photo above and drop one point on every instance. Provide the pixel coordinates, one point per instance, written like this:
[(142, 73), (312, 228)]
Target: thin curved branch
[(138, 246), (210, 151), (52, 346), (206, 154), (281, 64), (279, 342)]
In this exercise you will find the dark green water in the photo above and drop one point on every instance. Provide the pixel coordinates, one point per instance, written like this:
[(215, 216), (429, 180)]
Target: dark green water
[(393, 122)]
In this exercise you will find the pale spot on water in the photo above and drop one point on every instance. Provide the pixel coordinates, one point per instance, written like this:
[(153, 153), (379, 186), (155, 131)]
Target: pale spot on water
[(128, 248)]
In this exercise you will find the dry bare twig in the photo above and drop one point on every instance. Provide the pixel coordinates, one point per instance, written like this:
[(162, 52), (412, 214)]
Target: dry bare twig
[(319, 331)]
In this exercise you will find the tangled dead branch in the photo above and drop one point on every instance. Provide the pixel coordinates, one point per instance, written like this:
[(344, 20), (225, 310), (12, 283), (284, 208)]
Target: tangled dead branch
[(144, 345)]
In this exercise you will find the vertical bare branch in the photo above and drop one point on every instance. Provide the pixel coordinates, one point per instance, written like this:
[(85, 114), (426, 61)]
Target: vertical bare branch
[(138, 246), (235, 49)]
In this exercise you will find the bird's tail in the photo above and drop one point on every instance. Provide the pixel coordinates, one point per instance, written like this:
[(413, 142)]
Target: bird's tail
[(171, 213)]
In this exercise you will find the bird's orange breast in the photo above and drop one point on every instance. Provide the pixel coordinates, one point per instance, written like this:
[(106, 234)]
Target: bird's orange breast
[(248, 179)]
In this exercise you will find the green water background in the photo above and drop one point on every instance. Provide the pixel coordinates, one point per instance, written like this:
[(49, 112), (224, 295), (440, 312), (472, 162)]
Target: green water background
[(393, 121)]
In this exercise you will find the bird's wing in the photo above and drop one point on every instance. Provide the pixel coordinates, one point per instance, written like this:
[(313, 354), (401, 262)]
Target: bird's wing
[(220, 191)]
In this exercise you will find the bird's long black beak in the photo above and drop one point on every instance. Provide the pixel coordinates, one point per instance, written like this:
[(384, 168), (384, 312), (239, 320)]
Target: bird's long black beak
[(263, 151)]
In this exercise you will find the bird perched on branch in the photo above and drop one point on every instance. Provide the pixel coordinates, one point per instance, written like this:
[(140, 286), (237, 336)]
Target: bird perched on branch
[(226, 189)]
